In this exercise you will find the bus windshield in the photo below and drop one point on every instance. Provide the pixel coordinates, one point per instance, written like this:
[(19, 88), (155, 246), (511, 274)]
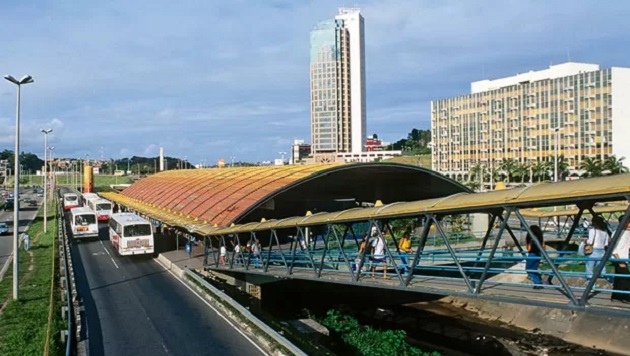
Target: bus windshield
[(103, 206), (71, 197), (85, 220), (137, 230)]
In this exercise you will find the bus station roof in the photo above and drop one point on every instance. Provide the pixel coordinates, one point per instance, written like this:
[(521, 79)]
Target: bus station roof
[(223, 196), (611, 188)]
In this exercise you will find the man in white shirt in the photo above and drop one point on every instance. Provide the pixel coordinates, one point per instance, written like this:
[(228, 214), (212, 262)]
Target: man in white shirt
[(378, 254), (622, 280), (597, 237)]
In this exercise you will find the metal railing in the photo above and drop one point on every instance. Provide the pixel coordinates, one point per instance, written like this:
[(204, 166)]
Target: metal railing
[(68, 285)]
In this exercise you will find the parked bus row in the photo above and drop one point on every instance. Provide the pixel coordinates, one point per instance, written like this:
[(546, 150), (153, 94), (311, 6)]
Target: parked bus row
[(129, 233)]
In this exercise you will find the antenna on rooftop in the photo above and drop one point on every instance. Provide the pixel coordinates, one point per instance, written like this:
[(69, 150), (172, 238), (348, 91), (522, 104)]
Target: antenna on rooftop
[(568, 55)]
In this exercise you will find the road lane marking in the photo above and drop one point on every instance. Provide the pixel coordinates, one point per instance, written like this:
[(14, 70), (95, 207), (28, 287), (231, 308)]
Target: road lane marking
[(213, 308), (109, 254)]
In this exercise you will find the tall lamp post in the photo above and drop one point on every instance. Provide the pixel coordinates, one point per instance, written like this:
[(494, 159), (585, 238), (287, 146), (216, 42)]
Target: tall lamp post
[(555, 165), (46, 132), (52, 172), (555, 172), (16, 182)]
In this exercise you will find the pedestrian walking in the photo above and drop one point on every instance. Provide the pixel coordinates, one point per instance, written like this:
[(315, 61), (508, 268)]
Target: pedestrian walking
[(533, 258), (27, 241)]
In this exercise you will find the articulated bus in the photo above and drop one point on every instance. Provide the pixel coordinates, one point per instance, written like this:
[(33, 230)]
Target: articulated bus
[(83, 223), (102, 208), (70, 200), (130, 234)]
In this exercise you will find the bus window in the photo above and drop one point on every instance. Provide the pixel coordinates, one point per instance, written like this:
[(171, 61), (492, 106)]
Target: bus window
[(137, 230), (85, 220)]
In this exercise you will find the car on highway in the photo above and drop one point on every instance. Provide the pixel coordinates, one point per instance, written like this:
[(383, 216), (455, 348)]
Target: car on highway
[(4, 228), (30, 202), (8, 205)]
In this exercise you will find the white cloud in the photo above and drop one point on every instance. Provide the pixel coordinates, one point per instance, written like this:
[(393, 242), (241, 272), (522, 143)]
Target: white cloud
[(206, 79)]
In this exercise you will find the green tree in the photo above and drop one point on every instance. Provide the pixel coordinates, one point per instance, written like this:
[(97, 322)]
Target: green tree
[(614, 165), (509, 166), (591, 166), (475, 172), (521, 170), (539, 170), (563, 166)]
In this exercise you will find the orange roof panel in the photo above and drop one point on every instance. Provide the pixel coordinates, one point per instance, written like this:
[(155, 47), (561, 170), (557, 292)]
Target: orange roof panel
[(216, 195)]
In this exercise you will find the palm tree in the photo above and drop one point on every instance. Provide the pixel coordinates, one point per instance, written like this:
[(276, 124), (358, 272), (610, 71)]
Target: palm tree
[(592, 166), (495, 175), (563, 166), (522, 170), (509, 166), (539, 170), (614, 165), (475, 170)]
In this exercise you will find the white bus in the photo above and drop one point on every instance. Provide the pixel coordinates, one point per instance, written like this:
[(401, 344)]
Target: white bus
[(87, 196), (102, 208), (70, 200), (83, 222), (130, 234)]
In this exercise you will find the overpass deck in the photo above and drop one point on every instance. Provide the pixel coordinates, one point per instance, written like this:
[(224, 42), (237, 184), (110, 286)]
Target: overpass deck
[(316, 247)]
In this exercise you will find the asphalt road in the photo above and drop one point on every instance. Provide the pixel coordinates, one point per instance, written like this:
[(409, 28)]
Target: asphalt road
[(133, 306), (27, 214)]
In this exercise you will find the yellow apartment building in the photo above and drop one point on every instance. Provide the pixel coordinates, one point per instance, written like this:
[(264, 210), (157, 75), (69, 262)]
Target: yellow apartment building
[(577, 109)]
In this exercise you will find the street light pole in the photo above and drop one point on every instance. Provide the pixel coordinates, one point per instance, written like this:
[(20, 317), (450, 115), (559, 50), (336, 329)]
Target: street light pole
[(52, 173), (555, 173), (16, 182), (46, 132), (555, 165)]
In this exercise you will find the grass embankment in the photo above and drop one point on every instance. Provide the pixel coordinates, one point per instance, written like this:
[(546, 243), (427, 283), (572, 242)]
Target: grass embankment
[(24, 323), (102, 183), (420, 160)]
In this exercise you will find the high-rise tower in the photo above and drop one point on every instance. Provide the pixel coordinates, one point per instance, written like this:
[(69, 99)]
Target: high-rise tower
[(338, 84)]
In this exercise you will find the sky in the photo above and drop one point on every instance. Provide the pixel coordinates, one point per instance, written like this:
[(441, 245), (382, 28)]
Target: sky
[(218, 79)]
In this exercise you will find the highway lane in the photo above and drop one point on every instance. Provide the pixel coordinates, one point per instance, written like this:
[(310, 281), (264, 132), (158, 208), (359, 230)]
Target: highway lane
[(27, 214), (133, 306)]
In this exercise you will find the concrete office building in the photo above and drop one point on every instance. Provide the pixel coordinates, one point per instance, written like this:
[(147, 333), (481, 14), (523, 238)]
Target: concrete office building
[(577, 109), (337, 72)]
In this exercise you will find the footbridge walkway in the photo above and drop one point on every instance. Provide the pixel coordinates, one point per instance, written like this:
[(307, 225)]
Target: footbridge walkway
[(327, 247)]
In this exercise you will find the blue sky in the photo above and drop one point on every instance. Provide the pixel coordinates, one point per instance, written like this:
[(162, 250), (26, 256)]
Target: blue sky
[(214, 79)]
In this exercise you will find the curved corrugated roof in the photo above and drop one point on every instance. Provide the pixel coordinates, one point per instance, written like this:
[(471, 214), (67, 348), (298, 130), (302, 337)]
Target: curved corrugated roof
[(221, 196), (611, 188), (215, 195)]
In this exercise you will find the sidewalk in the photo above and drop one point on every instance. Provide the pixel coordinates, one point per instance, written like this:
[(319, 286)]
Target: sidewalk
[(181, 259)]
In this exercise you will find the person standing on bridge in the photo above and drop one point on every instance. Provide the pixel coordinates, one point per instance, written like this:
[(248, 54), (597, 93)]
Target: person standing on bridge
[(404, 246), (222, 253), (256, 253), (622, 278), (533, 258), (378, 254), (598, 238)]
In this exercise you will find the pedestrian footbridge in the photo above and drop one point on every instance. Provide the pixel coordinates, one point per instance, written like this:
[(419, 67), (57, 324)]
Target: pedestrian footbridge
[(446, 259)]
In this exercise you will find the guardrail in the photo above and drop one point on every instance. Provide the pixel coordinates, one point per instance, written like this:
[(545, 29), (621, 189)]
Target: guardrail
[(69, 289)]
